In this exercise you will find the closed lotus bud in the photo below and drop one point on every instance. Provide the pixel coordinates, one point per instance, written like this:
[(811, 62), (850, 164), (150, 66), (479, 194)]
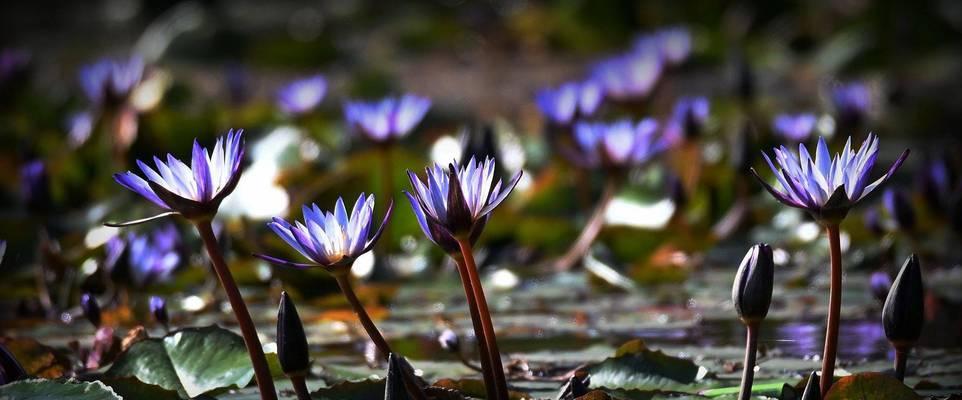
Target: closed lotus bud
[(10, 368), (879, 284), (899, 207), (291, 342), (812, 391), (903, 313), (394, 385), (158, 308), (574, 388), (752, 291), (91, 309), (449, 341)]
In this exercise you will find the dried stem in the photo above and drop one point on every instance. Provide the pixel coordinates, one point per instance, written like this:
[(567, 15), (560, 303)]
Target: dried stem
[(262, 373), (751, 348), (590, 231), (834, 309), (496, 368)]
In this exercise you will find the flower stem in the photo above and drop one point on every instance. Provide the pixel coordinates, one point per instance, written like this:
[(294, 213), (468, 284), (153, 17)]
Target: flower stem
[(344, 281), (834, 309), (496, 368), (901, 358), (300, 387), (590, 231), (485, 354), (751, 348), (262, 373)]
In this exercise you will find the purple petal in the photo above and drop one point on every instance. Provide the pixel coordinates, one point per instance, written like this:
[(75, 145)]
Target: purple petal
[(283, 262)]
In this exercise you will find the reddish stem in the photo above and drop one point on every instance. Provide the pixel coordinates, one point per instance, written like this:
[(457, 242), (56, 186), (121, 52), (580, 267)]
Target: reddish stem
[(751, 348), (901, 358), (265, 383), (300, 387), (497, 370), (834, 309), (591, 230), (485, 354)]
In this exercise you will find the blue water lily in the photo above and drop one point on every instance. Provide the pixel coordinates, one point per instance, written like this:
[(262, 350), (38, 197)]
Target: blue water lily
[(110, 81), (194, 191), (825, 186), (302, 95), (619, 144), (332, 240), (563, 104), (794, 127)]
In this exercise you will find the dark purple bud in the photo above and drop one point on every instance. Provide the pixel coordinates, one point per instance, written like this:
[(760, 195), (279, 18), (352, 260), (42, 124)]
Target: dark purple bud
[(449, 341), (10, 368), (812, 391), (899, 207), (91, 309), (480, 143), (752, 291), (292, 348), (745, 84), (879, 284), (903, 313), (158, 308)]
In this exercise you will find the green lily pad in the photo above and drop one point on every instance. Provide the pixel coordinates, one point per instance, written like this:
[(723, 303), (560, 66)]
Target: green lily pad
[(870, 386), (42, 389), (637, 367), (190, 362)]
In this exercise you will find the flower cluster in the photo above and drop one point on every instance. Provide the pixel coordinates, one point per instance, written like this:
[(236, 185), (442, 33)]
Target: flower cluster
[(145, 258)]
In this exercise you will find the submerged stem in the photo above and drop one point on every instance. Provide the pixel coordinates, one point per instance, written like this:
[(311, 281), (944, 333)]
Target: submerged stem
[(590, 230), (834, 309), (265, 383), (497, 370), (751, 348)]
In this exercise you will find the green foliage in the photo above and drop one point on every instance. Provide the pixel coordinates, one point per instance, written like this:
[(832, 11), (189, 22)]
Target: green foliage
[(42, 389)]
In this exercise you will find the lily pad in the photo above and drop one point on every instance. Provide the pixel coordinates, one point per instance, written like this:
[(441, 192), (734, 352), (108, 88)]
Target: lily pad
[(366, 389), (870, 386), (190, 362), (637, 367), (42, 389)]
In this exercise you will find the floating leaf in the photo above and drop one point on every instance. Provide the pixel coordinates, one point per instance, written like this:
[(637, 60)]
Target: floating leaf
[(474, 388), (870, 386), (129, 387), (191, 361), (640, 368), (366, 389), (43, 389)]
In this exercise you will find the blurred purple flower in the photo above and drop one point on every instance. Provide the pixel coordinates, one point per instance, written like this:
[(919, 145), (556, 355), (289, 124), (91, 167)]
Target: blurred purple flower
[(302, 95), (12, 63), (332, 240), (386, 119), (194, 191), (899, 208), (622, 143), (879, 284), (674, 43), (826, 187), (873, 222), (154, 256), (688, 118), (452, 202), (563, 104), (852, 100), (110, 81), (79, 127), (794, 127), (632, 75), (936, 184)]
